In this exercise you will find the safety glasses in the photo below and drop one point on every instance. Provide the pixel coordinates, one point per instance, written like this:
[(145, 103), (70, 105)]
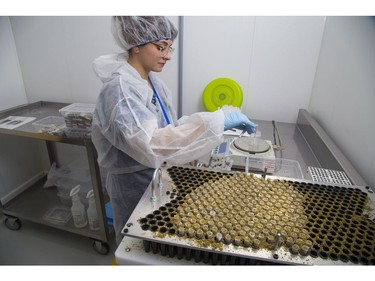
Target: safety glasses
[(163, 50)]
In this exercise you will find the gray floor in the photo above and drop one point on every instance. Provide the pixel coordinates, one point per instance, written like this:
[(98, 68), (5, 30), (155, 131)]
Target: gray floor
[(36, 244)]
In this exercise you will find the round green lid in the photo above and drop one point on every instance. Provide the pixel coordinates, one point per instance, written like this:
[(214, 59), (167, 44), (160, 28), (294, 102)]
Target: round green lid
[(222, 91)]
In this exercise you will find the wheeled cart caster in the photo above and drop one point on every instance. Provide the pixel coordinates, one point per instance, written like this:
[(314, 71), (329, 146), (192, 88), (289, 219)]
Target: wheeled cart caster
[(13, 223), (101, 247)]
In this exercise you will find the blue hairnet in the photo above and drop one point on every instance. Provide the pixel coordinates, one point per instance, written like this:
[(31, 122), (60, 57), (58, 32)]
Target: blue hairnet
[(132, 31)]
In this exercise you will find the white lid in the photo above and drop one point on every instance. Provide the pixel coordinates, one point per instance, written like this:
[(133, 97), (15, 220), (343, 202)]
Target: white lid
[(79, 108)]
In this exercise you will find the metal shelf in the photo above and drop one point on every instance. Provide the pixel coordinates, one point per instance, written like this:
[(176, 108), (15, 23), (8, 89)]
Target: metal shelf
[(33, 203), (39, 110)]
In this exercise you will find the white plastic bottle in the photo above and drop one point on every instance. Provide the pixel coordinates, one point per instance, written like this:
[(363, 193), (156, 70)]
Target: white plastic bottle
[(78, 209), (92, 215)]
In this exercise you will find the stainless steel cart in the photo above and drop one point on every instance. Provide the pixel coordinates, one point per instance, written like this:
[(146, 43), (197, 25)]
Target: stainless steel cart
[(35, 201)]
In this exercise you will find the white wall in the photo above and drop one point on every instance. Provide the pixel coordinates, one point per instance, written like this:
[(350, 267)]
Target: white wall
[(273, 59), (214, 47), (12, 91), (343, 98), (56, 55), (284, 57), (20, 162), (18, 156)]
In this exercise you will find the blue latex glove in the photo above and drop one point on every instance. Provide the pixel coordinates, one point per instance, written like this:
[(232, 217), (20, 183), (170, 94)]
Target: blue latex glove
[(238, 120)]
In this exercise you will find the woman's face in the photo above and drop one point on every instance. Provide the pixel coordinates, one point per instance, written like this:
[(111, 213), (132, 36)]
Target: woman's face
[(153, 56)]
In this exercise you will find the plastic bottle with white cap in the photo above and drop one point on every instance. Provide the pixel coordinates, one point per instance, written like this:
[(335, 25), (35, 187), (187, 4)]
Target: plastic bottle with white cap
[(92, 215), (78, 209)]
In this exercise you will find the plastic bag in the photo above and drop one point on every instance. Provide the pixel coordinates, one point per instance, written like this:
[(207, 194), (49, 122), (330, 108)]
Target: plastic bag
[(51, 177)]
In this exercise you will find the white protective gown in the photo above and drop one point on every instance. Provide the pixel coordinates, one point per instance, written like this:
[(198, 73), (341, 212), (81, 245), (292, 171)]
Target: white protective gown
[(132, 137)]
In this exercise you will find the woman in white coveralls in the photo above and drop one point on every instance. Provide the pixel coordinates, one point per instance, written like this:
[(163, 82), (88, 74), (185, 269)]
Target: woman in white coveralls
[(135, 128)]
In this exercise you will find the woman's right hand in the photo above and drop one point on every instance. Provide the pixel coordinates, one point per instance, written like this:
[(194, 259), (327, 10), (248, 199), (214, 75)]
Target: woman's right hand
[(238, 120)]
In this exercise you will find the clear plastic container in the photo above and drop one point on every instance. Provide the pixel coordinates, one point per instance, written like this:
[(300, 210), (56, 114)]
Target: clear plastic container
[(288, 168), (58, 215), (78, 115), (49, 122)]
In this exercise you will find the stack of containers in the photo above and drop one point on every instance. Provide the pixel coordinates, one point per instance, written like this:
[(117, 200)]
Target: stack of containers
[(78, 116)]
